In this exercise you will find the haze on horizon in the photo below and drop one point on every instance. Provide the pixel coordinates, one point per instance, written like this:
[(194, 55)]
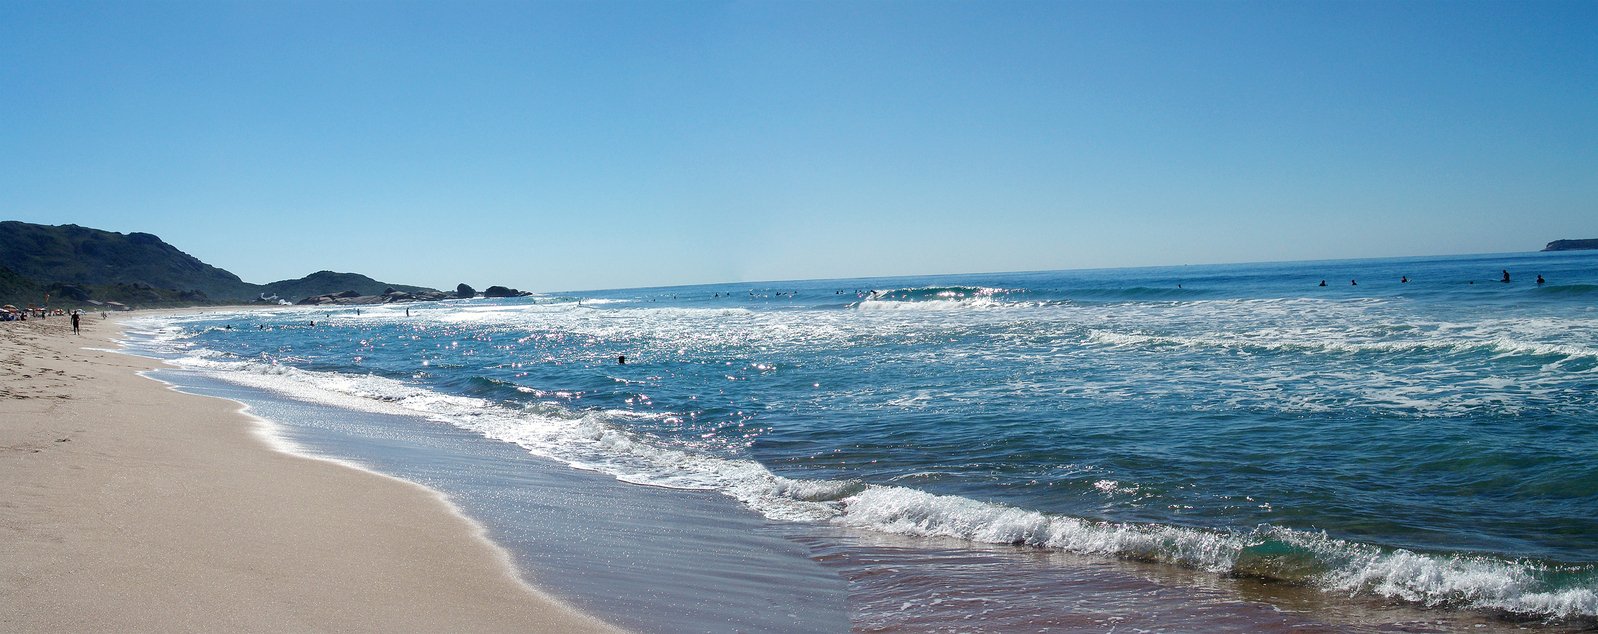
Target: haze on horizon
[(563, 145)]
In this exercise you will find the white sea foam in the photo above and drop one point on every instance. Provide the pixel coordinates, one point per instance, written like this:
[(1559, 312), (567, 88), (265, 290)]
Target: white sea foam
[(588, 440), (1502, 346), (1143, 336), (1477, 582), (1433, 580), (939, 304)]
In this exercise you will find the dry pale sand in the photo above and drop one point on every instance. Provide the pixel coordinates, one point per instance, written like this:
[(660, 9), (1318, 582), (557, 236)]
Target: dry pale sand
[(126, 506)]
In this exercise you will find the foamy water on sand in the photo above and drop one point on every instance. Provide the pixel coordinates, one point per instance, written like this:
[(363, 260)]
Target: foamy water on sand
[(1237, 445)]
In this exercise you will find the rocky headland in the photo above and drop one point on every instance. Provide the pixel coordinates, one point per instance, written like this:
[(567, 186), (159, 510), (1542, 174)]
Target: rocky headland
[(1572, 245)]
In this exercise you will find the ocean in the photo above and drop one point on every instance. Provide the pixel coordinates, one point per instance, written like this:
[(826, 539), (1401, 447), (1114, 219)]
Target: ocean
[(1194, 448)]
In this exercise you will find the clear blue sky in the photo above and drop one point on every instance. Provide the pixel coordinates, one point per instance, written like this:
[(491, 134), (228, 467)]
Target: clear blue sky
[(577, 145)]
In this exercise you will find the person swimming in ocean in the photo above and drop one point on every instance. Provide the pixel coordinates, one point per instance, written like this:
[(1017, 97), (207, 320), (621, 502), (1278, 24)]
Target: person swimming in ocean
[(1353, 282), (621, 360), (1403, 279), (1323, 282), (1506, 277), (1540, 280)]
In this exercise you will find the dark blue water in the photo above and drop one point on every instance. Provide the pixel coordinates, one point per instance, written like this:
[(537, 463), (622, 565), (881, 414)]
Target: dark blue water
[(1432, 441)]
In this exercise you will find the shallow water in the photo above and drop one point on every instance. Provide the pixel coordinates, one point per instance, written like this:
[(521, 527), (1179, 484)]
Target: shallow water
[(1428, 443)]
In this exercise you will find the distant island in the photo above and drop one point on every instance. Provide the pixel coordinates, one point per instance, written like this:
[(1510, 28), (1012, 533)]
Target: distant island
[(70, 266), (1572, 245)]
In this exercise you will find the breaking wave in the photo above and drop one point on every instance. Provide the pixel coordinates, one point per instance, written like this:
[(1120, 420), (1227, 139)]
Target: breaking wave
[(592, 440), (938, 298)]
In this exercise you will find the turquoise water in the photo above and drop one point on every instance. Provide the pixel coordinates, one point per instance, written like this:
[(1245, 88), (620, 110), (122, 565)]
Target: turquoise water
[(1432, 441)]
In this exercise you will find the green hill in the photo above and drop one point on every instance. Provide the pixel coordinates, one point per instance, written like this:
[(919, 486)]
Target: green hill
[(78, 265), (322, 282), (83, 257), (15, 288)]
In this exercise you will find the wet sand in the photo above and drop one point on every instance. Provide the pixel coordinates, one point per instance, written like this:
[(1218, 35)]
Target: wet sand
[(128, 506)]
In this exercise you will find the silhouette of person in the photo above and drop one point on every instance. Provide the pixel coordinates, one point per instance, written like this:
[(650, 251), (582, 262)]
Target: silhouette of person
[(1403, 279), (1506, 276), (75, 318), (1323, 282), (1540, 280), (1353, 282), (621, 360)]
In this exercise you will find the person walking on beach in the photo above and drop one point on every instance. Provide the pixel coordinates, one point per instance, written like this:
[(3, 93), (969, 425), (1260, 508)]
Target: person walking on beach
[(75, 317)]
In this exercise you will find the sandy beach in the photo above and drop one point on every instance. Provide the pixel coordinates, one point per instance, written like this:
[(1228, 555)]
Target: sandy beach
[(131, 507)]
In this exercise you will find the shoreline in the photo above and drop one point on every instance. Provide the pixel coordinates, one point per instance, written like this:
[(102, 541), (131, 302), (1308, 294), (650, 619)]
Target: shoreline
[(132, 506), (592, 539)]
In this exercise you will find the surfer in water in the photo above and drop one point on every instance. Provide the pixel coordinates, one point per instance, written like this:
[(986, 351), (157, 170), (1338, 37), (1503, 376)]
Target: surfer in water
[(1506, 277)]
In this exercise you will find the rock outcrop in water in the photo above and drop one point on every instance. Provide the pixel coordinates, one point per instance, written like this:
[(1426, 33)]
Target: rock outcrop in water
[(391, 296), (501, 291), (1572, 245)]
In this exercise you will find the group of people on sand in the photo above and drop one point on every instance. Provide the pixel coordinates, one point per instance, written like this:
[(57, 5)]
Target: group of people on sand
[(1404, 279), (11, 314)]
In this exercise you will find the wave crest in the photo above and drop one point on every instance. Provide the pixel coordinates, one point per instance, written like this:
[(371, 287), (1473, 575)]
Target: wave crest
[(937, 298)]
